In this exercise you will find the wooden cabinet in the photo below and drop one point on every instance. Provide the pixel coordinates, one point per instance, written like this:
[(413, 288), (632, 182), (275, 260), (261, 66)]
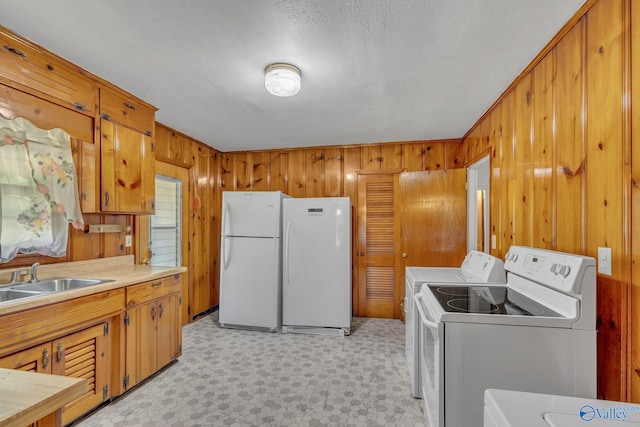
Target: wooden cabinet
[(83, 354), (153, 328), (171, 146), (126, 156), (27, 66)]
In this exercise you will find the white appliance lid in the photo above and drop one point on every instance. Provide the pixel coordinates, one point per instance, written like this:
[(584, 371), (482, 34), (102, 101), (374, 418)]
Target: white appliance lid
[(487, 267)]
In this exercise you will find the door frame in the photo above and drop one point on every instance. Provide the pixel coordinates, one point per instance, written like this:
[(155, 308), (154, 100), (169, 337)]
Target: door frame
[(478, 178), (143, 253)]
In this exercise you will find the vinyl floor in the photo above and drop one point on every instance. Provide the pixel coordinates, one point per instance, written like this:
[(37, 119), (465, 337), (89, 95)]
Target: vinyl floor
[(231, 377)]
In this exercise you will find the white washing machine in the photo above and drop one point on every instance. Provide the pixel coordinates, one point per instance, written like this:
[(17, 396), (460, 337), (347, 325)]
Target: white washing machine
[(477, 267), (507, 408)]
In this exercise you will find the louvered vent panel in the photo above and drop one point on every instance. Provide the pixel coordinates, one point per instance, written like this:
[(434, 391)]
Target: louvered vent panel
[(380, 218), (380, 283), (29, 367), (80, 362)]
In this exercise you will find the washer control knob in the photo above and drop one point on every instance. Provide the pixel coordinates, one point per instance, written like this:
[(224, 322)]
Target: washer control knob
[(564, 270), (554, 268)]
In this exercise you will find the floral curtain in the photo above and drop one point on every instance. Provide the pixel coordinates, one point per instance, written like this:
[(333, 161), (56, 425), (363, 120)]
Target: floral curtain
[(38, 190)]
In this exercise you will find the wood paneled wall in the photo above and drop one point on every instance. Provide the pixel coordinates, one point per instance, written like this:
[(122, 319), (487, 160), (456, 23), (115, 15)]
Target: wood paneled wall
[(561, 168), (329, 171)]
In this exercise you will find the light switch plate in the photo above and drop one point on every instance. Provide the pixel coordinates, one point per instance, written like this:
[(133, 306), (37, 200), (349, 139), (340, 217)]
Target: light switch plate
[(493, 241), (604, 261), (127, 241)]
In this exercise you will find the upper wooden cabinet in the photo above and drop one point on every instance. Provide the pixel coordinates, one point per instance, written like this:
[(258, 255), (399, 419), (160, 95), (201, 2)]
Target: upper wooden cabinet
[(127, 163), (171, 146), (28, 67), (134, 114)]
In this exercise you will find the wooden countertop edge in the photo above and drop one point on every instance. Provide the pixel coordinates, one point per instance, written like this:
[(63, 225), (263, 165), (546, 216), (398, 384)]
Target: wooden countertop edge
[(68, 389), (120, 270)]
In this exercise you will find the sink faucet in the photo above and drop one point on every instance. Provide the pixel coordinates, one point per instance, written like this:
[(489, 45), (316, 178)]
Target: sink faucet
[(15, 276), (34, 272)]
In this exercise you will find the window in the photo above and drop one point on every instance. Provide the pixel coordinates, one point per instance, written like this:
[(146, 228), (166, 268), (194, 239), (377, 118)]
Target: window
[(165, 226), (38, 190)]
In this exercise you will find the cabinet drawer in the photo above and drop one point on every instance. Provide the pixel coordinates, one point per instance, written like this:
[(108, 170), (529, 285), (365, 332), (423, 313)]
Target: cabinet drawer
[(148, 291), (118, 108), (26, 65)]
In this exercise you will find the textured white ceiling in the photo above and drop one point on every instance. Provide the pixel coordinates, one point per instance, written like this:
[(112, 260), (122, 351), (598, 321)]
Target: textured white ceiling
[(372, 70)]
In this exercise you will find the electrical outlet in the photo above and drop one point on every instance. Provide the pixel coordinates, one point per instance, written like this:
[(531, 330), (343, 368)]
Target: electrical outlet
[(127, 240), (494, 244), (604, 261)]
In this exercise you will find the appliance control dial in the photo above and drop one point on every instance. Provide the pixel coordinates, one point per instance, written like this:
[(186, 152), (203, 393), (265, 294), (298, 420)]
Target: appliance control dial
[(565, 270), (554, 268)]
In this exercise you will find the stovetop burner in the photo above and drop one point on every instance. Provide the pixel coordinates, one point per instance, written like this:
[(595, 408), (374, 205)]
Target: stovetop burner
[(481, 306), (453, 291), (500, 300)]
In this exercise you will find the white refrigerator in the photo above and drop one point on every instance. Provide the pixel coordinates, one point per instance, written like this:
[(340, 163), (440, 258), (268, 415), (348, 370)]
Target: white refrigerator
[(250, 260), (316, 294)]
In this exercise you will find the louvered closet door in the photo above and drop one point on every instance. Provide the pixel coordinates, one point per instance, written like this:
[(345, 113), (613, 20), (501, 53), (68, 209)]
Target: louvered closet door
[(377, 249)]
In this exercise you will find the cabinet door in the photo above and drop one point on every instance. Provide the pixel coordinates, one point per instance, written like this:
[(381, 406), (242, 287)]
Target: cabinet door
[(168, 329), (84, 354), (26, 65), (147, 339), (34, 359), (127, 170)]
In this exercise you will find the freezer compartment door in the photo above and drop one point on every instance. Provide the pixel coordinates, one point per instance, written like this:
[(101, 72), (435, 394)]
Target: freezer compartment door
[(250, 284), (251, 214), (317, 262)]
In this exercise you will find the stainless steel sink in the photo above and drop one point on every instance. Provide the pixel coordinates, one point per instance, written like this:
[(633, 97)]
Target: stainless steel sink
[(58, 284), (12, 294)]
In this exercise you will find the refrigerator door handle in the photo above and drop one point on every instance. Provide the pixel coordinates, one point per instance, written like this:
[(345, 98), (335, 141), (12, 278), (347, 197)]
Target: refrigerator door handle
[(226, 220), (225, 258), (287, 242)]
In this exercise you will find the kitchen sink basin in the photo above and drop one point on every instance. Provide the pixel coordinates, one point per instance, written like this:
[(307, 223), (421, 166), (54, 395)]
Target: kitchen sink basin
[(12, 294), (58, 285)]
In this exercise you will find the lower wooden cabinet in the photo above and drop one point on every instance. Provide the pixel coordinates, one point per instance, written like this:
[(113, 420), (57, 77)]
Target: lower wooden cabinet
[(84, 338), (153, 328), (83, 354)]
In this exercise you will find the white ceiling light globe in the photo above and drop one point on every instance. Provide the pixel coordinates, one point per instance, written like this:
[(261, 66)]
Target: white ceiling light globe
[(282, 79)]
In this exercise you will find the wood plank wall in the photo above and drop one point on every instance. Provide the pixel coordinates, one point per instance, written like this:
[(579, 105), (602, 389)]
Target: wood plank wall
[(562, 171), (330, 171)]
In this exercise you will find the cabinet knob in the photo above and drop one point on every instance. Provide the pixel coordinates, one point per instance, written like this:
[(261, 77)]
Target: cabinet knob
[(404, 254)]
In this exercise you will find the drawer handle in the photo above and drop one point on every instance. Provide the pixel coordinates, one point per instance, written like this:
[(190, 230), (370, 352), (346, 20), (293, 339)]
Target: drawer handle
[(130, 106), (14, 51), (60, 354), (156, 285), (45, 359)]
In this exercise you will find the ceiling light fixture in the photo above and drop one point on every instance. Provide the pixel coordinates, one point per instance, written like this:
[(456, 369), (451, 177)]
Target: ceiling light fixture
[(282, 79)]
